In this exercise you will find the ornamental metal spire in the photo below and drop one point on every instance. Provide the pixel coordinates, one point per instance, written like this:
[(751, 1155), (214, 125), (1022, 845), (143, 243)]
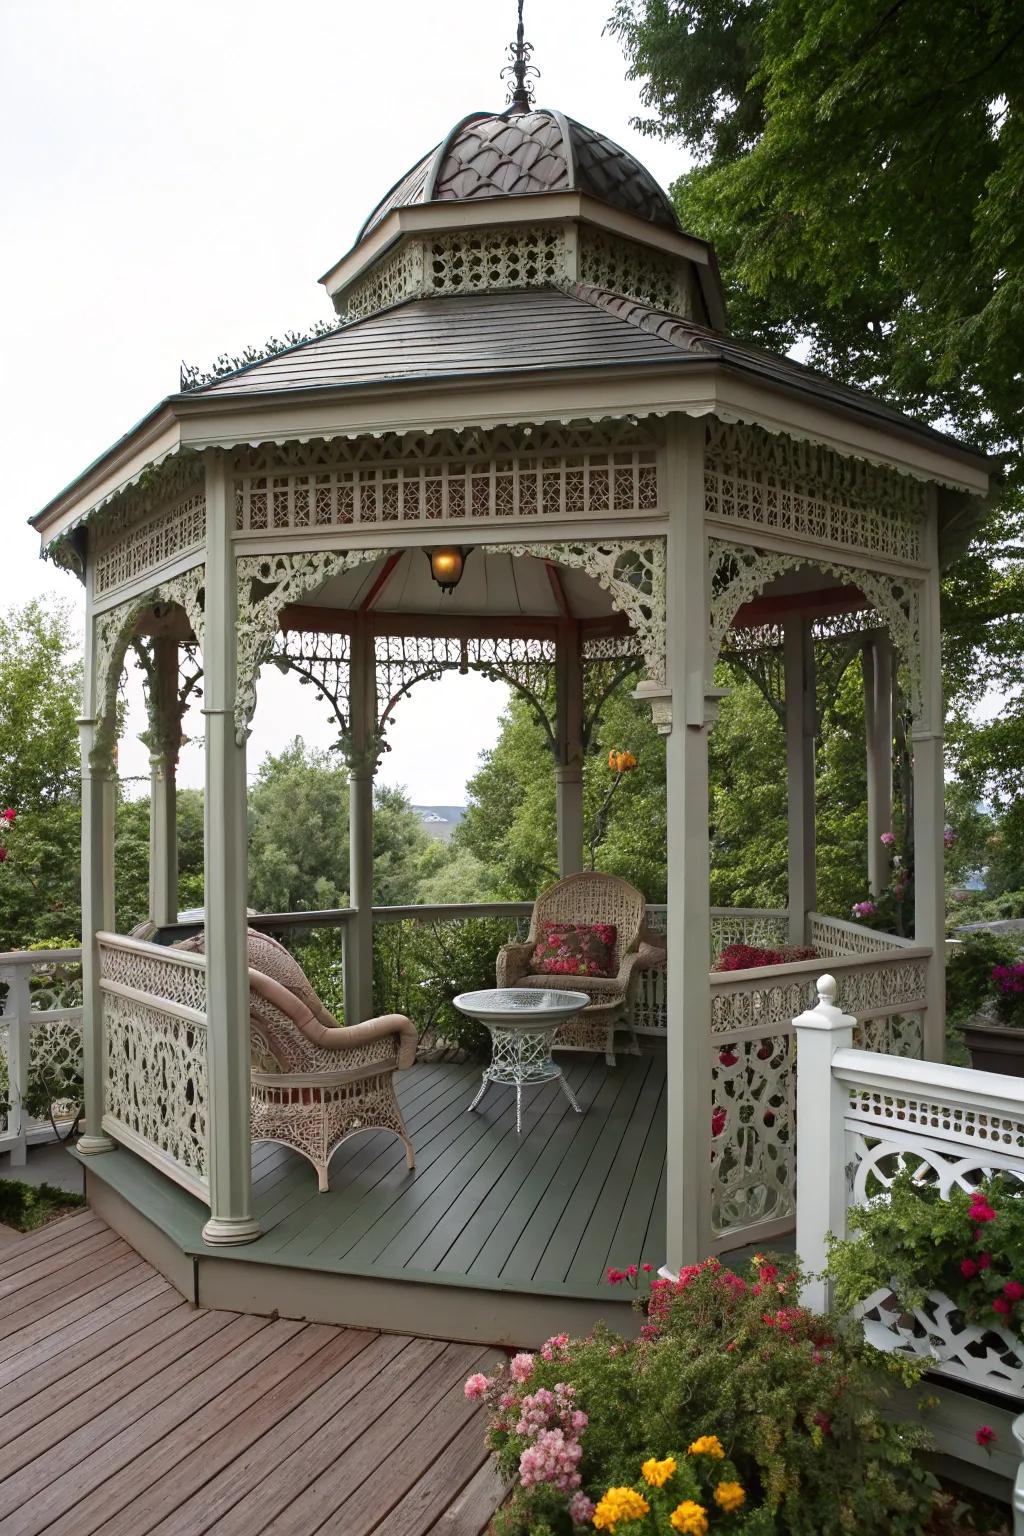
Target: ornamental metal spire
[(519, 71)]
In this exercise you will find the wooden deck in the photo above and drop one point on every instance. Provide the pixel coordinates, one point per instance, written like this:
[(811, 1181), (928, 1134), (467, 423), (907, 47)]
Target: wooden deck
[(128, 1410), (538, 1216)]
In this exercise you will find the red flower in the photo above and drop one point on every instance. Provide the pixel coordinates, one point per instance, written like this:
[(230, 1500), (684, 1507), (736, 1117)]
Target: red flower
[(984, 1435), (1002, 1306), (9, 815), (615, 1276), (631, 1271), (647, 1268), (728, 1058), (3, 853), (764, 1050), (981, 1211), (718, 1119), (1014, 1290), (984, 1261), (968, 1268), (824, 1423), (769, 1117)]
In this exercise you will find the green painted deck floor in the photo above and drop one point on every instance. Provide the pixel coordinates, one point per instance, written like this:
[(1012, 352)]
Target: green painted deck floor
[(546, 1212)]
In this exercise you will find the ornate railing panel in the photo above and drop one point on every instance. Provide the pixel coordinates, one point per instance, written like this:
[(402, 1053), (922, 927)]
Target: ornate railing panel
[(40, 1045), (950, 1127), (752, 1131), (154, 1047)]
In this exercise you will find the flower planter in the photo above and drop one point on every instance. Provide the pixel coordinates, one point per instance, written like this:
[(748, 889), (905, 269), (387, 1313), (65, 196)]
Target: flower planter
[(995, 1047)]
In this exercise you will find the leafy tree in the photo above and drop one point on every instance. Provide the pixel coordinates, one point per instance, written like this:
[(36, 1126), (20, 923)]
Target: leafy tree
[(859, 170), (131, 856), (40, 700)]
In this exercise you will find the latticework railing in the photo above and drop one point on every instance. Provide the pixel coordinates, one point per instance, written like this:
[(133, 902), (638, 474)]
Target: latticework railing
[(154, 1050), (950, 1128), (40, 1046)]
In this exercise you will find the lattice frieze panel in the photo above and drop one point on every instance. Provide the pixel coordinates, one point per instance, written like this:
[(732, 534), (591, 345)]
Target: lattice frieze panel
[(774, 483), (476, 261), (156, 1079), (622, 266), (982, 1355), (752, 1132), (872, 1110), (739, 572), (390, 282), (170, 977), (831, 937), (125, 556), (764, 930)]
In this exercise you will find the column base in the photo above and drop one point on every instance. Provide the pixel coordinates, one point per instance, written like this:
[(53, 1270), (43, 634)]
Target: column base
[(89, 1145), (222, 1231)]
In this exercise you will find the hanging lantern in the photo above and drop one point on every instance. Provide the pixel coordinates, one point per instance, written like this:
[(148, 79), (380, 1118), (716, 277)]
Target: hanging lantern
[(446, 565)]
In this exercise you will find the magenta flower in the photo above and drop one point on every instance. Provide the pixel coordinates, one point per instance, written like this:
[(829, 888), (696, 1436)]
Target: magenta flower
[(888, 839), (984, 1435), (1014, 1290), (863, 909), (968, 1268), (8, 815), (949, 836)]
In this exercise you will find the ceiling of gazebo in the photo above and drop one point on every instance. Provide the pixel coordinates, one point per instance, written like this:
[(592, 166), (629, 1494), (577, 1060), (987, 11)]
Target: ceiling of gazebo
[(493, 585)]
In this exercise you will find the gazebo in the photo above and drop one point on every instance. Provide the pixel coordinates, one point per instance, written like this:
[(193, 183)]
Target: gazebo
[(531, 382)]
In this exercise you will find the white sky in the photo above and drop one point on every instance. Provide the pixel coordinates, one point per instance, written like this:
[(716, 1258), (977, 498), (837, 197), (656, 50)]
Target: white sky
[(176, 179)]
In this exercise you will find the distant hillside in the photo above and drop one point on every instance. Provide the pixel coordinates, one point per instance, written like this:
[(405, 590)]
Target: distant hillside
[(440, 821)]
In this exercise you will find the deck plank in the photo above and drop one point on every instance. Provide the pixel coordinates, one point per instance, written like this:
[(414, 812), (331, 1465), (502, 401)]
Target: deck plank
[(470, 1512), (40, 1329), (39, 1301), (81, 1341)]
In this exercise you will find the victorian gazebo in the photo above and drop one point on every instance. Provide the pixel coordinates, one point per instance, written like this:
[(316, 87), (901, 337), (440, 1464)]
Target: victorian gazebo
[(532, 380)]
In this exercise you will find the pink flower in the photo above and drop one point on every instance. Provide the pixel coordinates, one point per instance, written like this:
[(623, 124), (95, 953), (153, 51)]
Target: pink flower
[(949, 836), (616, 1276), (631, 1271), (888, 839), (1014, 1290), (521, 1367), (581, 1509), (475, 1386), (984, 1435), (968, 1268), (647, 1268), (554, 1348), (863, 908), (553, 1458), (9, 815)]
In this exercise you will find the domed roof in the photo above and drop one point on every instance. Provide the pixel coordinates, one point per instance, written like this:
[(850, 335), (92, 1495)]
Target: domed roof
[(516, 152)]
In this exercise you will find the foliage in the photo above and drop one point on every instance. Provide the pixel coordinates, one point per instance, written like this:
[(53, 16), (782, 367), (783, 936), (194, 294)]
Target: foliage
[(817, 130), (25, 1207), (969, 1247), (969, 972), (800, 1412), (131, 856), (419, 967)]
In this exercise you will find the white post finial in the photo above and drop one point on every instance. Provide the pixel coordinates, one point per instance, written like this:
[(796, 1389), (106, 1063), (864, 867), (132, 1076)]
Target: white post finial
[(827, 989)]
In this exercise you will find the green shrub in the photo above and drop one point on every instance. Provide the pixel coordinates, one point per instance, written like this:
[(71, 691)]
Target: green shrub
[(28, 1206), (969, 972), (419, 967), (799, 1414)]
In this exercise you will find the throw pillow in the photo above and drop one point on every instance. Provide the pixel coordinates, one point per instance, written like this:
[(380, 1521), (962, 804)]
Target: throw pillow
[(574, 949)]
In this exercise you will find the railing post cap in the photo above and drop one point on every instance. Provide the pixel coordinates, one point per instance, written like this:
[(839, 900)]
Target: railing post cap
[(827, 989), (825, 1014)]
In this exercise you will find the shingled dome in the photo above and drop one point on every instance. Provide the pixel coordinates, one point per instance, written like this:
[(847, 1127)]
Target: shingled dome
[(512, 153)]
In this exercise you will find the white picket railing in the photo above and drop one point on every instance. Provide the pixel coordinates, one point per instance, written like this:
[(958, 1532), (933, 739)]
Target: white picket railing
[(154, 1050), (40, 1043), (861, 1118)]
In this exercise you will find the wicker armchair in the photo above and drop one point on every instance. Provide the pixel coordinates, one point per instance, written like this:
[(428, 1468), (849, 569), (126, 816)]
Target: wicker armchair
[(314, 1082), (590, 898)]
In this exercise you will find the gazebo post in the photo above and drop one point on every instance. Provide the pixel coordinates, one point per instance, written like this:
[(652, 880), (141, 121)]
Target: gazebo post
[(876, 662), (569, 764), (688, 923), (801, 727), (929, 802), (164, 744), (97, 892), (362, 761), (226, 887)]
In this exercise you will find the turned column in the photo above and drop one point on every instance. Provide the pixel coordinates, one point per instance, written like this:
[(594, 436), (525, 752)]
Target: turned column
[(801, 726), (164, 741), (361, 753), (929, 804), (569, 747), (876, 664)]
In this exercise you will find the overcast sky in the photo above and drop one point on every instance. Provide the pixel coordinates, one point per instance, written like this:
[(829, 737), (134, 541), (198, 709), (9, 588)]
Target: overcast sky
[(176, 178)]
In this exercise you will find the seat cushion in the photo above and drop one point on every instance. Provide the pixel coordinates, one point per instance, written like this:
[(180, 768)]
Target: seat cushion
[(600, 989), (574, 949)]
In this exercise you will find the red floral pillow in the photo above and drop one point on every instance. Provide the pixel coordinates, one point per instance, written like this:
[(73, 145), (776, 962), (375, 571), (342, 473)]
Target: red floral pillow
[(574, 949)]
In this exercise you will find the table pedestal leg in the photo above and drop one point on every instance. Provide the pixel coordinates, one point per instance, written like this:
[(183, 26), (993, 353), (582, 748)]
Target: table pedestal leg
[(519, 1109)]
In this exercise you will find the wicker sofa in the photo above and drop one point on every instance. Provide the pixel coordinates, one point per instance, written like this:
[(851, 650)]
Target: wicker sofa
[(579, 899), (314, 1082)]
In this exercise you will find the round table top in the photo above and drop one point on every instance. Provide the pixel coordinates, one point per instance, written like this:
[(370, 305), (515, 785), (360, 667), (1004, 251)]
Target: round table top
[(522, 1007)]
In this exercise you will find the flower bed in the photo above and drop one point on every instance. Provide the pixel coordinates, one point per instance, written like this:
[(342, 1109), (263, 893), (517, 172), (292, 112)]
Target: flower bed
[(748, 957), (735, 1410)]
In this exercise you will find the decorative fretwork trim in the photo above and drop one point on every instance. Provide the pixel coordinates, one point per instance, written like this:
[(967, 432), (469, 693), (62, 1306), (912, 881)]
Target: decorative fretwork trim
[(125, 555), (508, 474), (739, 572), (780, 485), (113, 630), (632, 572), (623, 266), (266, 584)]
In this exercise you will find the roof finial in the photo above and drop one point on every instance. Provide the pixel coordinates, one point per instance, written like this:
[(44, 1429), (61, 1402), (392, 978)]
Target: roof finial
[(519, 68)]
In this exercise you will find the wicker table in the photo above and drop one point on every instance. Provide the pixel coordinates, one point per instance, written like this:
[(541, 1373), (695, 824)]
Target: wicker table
[(522, 1024)]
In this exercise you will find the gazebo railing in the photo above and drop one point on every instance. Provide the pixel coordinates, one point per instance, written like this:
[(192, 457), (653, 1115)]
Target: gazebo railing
[(40, 1044), (153, 1010)]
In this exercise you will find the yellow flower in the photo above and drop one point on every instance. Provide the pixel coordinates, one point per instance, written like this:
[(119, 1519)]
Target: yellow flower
[(690, 1518), (617, 1506), (707, 1445), (730, 1497), (657, 1473)]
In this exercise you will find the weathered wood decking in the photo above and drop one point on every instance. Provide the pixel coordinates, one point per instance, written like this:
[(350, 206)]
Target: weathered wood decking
[(537, 1216), (129, 1411)]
